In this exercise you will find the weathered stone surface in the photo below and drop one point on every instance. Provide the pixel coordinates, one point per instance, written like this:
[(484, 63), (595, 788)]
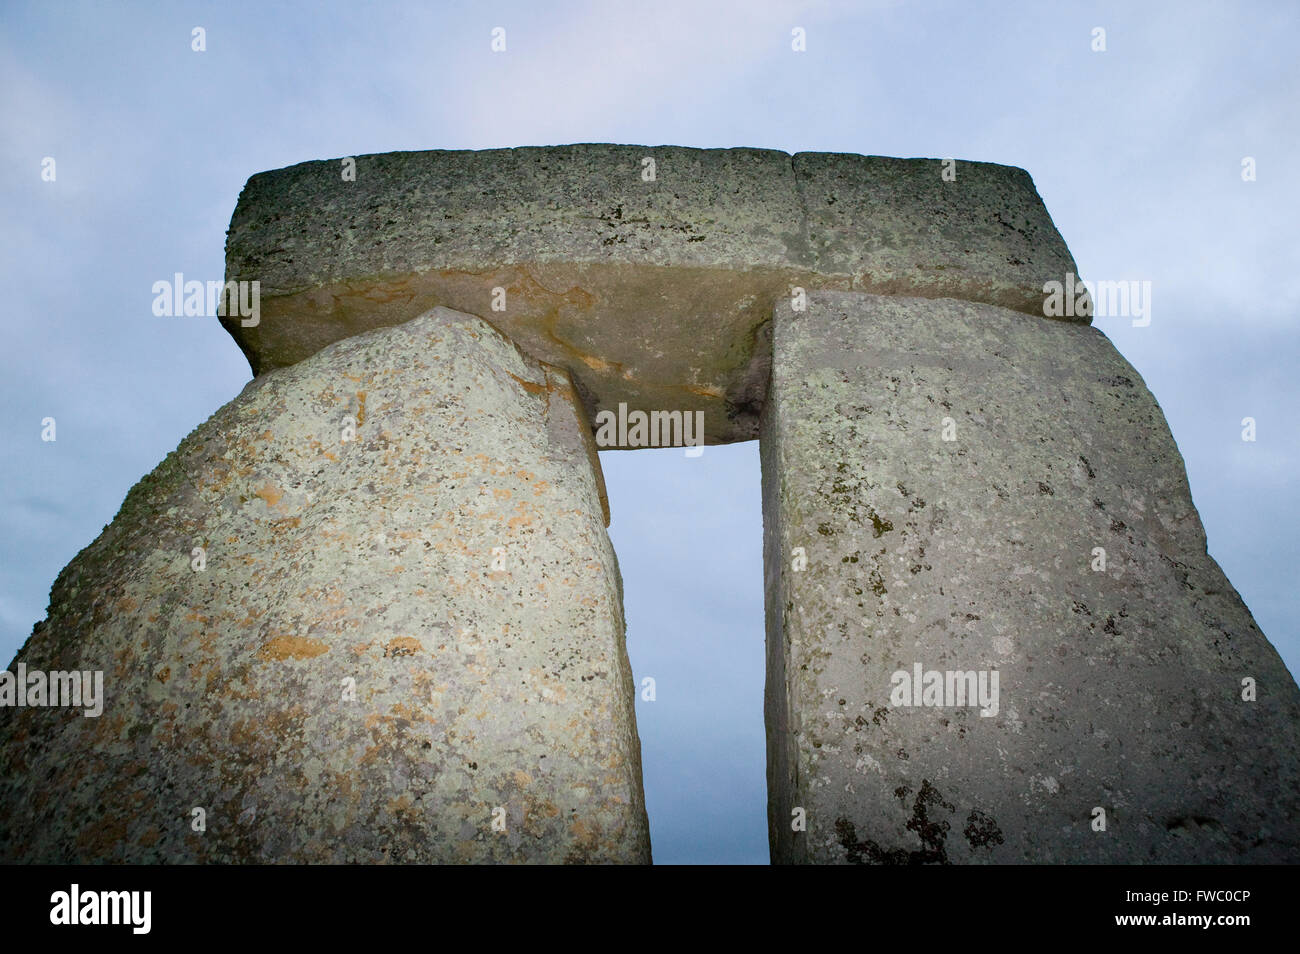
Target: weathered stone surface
[(897, 228), (655, 293), (409, 615), (450, 563), (1120, 689)]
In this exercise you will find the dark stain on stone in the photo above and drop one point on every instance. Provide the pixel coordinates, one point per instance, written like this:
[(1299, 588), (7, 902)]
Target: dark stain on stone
[(982, 830), (879, 525), (933, 834), (867, 851), (877, 583)]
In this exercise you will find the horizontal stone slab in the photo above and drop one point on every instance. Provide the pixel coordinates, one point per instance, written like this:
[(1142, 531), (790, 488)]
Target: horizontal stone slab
[(651, 283)]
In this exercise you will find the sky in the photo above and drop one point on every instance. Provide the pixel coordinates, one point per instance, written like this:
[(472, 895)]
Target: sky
[(1137, 151)]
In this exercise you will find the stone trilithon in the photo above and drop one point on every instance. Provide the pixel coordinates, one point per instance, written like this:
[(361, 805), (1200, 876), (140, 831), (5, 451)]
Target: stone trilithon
[(369, 611)]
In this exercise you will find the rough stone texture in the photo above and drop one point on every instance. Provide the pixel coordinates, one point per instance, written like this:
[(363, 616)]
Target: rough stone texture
[(451, 559), (476, 685), (1118, 689), (657, 294)]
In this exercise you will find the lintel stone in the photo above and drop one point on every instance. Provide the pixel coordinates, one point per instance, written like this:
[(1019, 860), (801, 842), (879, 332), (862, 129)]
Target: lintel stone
[(651, 286)]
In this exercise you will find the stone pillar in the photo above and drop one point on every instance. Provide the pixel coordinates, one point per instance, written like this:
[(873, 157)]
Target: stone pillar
[(368, 612), (975, 490)]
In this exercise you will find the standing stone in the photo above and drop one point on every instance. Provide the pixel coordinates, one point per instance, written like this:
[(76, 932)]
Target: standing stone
[(367, 612), (952, 472)]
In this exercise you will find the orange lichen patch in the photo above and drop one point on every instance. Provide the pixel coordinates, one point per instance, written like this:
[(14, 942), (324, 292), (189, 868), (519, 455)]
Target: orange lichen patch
[(245, 734), (584, 834), (402, 646), (522, 518), (529, 386), (281, 648), (500, 493), (361, 408), (709, 390), (100, 839), (551, 689), (163, 674), (522, 778), (406, 712), (125, 605), (270, 493)]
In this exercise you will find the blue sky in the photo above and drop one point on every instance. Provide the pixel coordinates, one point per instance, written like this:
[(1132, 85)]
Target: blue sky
[(1136, 151)]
